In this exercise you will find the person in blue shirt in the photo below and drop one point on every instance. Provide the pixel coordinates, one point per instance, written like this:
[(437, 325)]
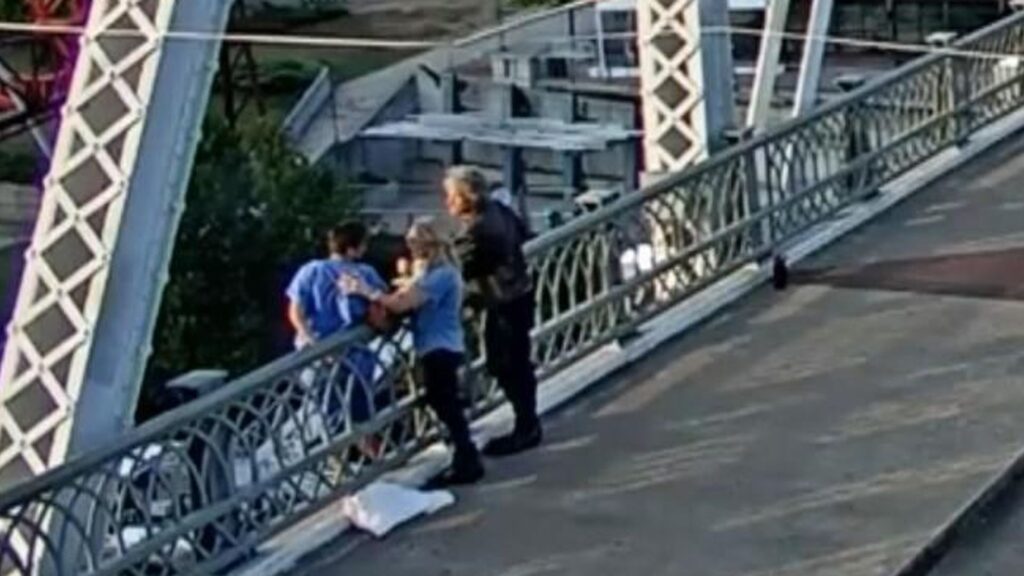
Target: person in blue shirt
[(433, 297), (318, 308)]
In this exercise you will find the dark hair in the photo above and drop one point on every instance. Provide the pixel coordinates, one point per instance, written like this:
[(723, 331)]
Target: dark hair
[(345, 237)]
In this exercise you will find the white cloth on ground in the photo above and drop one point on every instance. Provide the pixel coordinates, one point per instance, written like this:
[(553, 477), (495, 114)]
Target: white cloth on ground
[(381, 506)]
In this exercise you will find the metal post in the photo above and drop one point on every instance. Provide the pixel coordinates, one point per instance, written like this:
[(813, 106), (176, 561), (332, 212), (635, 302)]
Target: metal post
[(719, 74), (948, 89), (686, 80), (813, 58), (572, 175), (515, 181), (855, 135), (686, 83), (630, 165), (757, 198), (959, 97), (767, 65), (890, 11), (336, 152), (602, 59), (810, 73), (450, 105)]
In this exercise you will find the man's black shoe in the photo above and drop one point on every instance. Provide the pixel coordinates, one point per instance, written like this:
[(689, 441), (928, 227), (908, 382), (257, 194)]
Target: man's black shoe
[(462, 473), (515, 443)]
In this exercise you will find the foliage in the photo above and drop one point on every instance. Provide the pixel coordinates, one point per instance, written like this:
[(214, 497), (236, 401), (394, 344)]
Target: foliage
[(18, 167), (255, 210), (286, 76), (12, 10), (271, 16)]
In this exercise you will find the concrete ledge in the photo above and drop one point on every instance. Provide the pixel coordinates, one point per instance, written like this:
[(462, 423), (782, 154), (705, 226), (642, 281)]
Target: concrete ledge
[(964, 521), (285, 550)]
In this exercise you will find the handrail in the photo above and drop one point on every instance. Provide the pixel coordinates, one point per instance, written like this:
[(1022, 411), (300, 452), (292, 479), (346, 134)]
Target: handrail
[(773, 133), (164, 423)]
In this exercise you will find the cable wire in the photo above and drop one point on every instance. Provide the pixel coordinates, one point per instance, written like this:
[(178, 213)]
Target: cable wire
[(310, 41)]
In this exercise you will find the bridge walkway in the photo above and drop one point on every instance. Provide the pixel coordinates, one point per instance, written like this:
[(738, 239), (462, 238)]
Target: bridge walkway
[(825, 430)]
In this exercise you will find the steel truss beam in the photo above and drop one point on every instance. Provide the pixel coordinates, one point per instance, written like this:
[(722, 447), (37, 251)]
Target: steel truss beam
[(79, 335)]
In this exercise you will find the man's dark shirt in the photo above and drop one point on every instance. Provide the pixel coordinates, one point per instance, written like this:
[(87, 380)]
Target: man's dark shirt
[(491, 253)]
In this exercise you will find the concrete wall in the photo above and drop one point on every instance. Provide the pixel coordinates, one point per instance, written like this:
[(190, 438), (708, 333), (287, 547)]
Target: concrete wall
[(550, 105), (385, 158), (328, 128)]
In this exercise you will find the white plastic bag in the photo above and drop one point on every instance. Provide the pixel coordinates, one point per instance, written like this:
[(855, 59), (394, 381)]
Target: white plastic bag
[(381, 506)]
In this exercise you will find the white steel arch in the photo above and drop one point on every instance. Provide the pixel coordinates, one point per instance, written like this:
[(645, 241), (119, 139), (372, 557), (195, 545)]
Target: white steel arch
[(79, 334)]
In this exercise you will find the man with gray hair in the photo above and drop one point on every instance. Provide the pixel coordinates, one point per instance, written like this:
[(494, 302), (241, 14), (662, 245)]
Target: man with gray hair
[(493, 264)]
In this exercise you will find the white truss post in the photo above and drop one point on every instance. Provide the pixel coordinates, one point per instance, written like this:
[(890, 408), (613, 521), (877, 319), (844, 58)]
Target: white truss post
[(686, 82), (767, 71), (813, 58), (810, 77), (79, 335)]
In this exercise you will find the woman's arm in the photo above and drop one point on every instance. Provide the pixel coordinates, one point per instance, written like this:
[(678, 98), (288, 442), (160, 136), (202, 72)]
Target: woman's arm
[(405, 299)]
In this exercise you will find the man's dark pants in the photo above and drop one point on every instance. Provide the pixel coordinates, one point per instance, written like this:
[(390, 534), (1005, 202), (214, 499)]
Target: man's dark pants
[(507, 337)]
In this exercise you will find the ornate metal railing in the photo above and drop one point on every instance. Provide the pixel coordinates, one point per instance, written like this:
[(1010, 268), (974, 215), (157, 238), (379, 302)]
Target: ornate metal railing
[(195, 490), (603, 275)]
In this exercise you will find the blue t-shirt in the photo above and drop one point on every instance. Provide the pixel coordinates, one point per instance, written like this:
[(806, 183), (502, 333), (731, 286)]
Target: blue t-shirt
[(326, 307), (437, 323)]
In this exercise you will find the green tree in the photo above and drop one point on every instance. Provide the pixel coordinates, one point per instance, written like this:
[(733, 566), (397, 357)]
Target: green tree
[(12, 10), (18, 167), (255, 210)]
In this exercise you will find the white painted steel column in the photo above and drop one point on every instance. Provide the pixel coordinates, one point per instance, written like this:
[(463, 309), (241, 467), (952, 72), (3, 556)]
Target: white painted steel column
[(810, 74), (685, 80), (768, 67), (813, 58), (79, 335)]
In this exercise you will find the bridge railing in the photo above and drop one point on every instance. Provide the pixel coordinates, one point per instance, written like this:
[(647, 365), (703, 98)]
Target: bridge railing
[(196, 489), (604, 274)]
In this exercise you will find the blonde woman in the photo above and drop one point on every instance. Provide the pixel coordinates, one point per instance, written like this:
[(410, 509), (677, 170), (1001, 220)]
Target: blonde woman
[(433, 297)]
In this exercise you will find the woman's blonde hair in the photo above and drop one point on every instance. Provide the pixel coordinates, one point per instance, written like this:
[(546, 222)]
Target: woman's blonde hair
[(430, 231)]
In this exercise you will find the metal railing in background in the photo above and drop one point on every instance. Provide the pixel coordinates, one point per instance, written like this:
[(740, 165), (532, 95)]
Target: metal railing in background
[(602, 275), (196, 489)]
